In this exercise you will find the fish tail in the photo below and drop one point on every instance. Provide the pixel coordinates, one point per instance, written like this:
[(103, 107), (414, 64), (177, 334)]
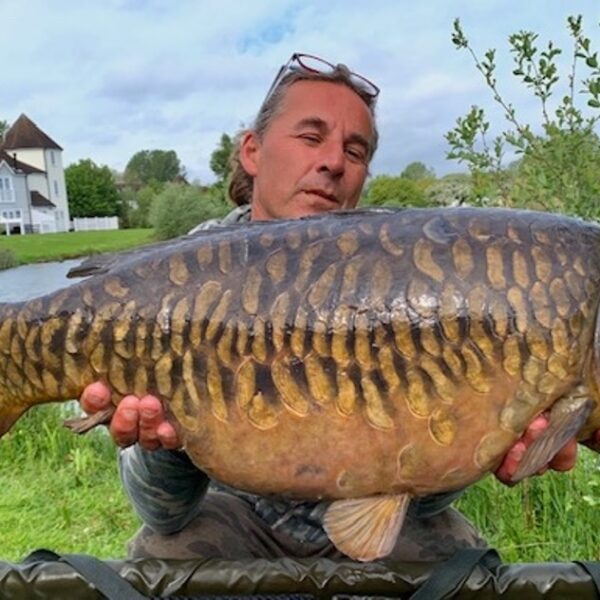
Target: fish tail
[(31, 366), (10, 406), (9, 416)]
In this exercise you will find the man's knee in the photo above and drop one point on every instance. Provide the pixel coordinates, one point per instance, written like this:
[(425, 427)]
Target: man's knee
[(436, 538)]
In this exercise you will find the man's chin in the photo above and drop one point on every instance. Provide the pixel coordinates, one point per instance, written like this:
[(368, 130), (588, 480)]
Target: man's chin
[(315, 204)]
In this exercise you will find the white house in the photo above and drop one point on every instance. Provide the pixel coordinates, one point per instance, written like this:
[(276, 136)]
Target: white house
[(33, 193)]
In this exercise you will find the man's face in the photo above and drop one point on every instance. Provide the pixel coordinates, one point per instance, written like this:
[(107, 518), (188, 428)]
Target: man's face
[(313, 157)]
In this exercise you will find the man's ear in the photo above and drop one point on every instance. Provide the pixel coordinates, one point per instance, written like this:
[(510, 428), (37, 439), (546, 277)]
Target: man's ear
[(250, 153)]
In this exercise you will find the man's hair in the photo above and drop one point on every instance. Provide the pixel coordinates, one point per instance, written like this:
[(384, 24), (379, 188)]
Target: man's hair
[(241, 184)]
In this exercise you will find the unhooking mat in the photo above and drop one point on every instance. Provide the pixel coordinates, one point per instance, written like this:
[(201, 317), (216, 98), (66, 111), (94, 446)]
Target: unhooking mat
[(469, 574)]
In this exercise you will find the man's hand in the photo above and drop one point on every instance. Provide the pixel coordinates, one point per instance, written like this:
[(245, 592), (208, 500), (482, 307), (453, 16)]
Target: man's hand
[(136, 419), (563, 461)]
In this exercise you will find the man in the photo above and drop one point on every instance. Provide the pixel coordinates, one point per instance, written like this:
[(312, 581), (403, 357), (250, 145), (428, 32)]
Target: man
[(308, 153)]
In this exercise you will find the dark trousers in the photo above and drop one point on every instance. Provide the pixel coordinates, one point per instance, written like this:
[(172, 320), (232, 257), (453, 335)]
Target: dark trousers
[(228, 528)]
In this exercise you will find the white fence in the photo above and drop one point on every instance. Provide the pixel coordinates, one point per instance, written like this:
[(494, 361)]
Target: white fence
[(7, 224), (95, 223)]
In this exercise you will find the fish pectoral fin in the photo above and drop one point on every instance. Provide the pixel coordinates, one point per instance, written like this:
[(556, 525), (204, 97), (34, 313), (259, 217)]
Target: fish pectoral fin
[(9, 415), (567, 417), (84, 424), (366, 529)]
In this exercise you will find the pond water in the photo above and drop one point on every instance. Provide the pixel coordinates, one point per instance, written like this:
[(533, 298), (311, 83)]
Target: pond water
[(30, 281)]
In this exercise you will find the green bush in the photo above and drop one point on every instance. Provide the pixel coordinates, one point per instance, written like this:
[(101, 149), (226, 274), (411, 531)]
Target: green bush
[(180, 207), (8, 260), (384, 190), (451, 190)]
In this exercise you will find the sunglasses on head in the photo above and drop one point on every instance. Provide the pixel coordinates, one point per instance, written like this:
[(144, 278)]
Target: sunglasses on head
[(314, 64)]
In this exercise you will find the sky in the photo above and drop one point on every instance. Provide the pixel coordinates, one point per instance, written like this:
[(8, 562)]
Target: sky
[(107, 79)]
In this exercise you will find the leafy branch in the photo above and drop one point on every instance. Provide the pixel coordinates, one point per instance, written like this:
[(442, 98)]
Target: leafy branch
[(568, 135)]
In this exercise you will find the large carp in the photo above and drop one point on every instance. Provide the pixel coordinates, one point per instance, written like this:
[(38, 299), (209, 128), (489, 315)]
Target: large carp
[(363, 357)]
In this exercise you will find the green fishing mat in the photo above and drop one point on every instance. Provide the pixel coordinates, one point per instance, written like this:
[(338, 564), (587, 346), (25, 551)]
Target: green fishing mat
[(471, 573)]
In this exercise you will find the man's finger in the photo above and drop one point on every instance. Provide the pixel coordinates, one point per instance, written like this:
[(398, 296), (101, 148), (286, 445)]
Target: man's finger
[(168, 436), (124, 424), (535, 429), (567, 457), (151, 416), (95, 397), (510, 463)]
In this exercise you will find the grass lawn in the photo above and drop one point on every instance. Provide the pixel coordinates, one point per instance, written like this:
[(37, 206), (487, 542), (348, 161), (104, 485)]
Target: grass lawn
[(61, 491), (59, 246)]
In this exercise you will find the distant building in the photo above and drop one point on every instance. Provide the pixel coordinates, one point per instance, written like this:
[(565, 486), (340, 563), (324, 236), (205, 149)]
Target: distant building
[(33, 192)]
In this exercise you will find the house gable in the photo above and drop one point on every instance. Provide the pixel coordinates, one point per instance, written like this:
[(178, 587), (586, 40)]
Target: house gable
[(16, 165), (24, 133), (27, 150)]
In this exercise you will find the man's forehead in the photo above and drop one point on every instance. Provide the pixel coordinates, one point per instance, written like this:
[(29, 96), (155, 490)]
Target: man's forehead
[(326, 101)]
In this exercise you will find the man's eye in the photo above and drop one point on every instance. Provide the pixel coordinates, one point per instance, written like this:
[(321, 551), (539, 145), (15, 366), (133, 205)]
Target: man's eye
[(311, 137), (356, 154)]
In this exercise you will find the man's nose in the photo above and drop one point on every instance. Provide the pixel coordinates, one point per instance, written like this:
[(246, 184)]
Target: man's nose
[(332, 158)]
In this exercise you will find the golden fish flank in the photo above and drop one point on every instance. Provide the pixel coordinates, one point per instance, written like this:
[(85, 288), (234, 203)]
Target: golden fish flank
[(279, 319), (426, 339), (178, 271), (291, 393), (321, 289), (204, 255), (225, 261), (380, 285), (350, 280), (424, 261), (276, 266), (463, 258), (542, 308), (348, 243), (495, 266), (479, 228), (320, 342), (520, 269), (251, 291), (442, 426), (542, 264), (376, 413), (341, 325), (560, 297), (390, 245), (307, 259)]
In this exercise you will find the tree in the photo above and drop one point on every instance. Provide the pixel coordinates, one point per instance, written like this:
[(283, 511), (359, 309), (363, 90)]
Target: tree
[(153, 165), (219, 159), (384, 190), (417, 170), (453, 189), (180, 207), (91, 190), (139, 203), (557, 169), (4, 127)]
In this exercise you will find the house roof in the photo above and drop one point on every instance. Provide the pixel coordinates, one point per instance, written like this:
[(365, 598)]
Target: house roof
[(24, 133), (39, 201), (13, 163)]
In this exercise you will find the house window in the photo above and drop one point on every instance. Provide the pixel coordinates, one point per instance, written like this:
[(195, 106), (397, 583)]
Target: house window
[(55, 187), (10, 214), (52, 158), (7, 193)]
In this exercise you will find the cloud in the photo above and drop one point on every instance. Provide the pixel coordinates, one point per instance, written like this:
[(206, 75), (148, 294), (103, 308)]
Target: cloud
[(108, 79)]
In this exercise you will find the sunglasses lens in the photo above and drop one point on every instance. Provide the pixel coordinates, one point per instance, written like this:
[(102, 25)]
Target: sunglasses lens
[(359, 81), (314, 64), (318, 65)]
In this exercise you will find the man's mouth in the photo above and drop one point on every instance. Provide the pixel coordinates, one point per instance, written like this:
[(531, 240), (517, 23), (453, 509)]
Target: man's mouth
[(322, 194)]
